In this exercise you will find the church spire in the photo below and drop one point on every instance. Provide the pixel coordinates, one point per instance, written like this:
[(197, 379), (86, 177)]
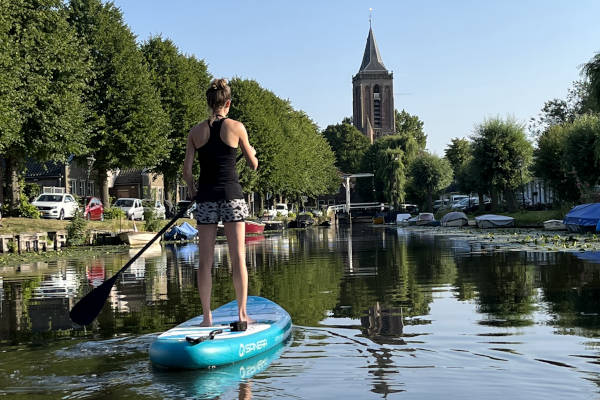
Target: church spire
[(371, 59)]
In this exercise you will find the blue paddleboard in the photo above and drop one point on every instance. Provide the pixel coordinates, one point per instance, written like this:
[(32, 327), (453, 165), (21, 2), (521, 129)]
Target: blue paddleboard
[(190, 346)]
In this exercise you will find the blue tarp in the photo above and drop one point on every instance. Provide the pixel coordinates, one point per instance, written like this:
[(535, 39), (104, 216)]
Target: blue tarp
[(182, 232), (583, 218)]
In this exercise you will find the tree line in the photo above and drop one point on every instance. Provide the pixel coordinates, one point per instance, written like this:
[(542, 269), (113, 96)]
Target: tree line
[(74, 81)]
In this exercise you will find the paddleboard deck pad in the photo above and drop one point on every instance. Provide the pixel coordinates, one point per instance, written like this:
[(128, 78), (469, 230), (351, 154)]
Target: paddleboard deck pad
[(191, 346)]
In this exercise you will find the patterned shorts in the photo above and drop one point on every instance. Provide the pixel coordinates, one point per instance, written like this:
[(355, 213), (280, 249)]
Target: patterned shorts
[(211, 212)]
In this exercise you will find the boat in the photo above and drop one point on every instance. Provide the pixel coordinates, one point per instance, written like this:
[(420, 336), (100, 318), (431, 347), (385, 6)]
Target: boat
[(378, 220), (138, 239), (402, 219), (554, 225), (254, 227), (184, 231), (583, 218), (494, 221), (454, 218), (273, 225), (189, 346), (424, 219)]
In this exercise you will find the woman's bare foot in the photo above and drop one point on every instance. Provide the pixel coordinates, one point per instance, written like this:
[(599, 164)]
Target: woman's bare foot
[(206, 322)]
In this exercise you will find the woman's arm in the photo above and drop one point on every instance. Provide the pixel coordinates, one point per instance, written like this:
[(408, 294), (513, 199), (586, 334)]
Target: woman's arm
[(188, 163), (247, 150)]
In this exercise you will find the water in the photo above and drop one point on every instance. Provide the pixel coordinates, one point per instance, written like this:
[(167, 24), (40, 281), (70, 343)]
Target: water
[(378, 313)]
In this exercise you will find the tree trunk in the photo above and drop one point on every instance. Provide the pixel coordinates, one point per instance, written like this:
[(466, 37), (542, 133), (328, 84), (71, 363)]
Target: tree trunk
[(1, 182), (481, 206), (428, 201), (511, 201), (12, 166), (494, 200), (103, 178)]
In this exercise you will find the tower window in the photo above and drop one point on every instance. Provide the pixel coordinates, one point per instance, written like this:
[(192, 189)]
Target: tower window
[(376, 107)]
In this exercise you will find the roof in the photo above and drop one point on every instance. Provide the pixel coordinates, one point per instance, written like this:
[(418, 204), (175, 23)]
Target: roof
[(371, 59), (129, 176), (49, 169)]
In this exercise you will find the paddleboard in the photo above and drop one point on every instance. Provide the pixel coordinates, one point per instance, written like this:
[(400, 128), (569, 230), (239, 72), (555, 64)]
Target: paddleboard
[(190, 346)]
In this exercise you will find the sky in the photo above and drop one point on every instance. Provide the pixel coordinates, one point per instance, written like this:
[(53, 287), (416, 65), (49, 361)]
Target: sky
[(455, 63)]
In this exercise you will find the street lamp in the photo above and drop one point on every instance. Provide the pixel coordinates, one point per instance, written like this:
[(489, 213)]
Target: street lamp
[(90, 162)]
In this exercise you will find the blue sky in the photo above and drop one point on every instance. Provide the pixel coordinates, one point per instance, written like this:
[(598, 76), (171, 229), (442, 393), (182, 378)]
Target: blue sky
[(455, 63)]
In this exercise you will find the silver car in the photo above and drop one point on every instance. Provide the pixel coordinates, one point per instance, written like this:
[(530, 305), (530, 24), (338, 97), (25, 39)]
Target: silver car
[(155, 205)]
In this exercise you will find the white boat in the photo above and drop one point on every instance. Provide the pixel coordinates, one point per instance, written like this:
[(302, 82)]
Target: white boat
[(554, 225), (454, 218), (494, 221), (138, 239), (425, 219), (402, 219)]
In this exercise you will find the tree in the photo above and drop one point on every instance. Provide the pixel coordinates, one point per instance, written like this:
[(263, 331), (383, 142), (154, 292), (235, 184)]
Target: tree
[(457, 153), (348, 144), (127, 125), (501, 156), (429, 174), (582, 152), (43, 72), (181, 82), (591, 70), (411, 126)]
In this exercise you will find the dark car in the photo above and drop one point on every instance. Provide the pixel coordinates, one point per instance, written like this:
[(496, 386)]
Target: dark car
[(92, 208), (304, 220)]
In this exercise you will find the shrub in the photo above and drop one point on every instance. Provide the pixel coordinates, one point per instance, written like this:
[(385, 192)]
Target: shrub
[(76, 232), (28, 210), (291, 215), (113, 213), (151, 223)]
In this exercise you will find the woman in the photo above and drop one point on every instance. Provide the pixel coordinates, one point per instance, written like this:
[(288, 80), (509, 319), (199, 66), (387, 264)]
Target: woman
[(218, 195)]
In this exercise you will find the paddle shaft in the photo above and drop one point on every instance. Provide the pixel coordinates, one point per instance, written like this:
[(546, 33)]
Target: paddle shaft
[(88, 307)]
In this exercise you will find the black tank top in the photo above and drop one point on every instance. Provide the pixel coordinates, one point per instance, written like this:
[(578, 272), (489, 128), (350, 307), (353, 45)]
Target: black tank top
[(218, 176)]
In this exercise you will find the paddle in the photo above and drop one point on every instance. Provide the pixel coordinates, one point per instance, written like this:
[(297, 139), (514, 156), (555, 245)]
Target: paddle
[(87, 309)]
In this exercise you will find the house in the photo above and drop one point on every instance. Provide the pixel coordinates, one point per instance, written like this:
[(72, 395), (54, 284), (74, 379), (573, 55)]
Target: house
[(70, 176), (138, 183)]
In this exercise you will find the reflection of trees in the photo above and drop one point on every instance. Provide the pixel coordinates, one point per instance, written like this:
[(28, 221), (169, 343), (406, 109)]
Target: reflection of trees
[(506, 287), (572, 290)]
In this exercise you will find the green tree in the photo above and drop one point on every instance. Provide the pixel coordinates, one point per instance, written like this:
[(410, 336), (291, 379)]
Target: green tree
[(128, 127), (458, 153), (582, 152), (181, 82), (429, 174), (591, 70), (348, 144), (43, 72), (501, 156), (412, 127)]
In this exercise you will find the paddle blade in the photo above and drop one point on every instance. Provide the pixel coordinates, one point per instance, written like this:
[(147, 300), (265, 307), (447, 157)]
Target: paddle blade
[(87, 309)]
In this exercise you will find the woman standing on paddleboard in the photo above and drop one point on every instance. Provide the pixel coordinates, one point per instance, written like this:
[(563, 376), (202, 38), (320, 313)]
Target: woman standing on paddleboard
[(218, 195)]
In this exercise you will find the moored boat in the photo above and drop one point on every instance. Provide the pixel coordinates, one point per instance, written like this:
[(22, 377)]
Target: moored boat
[(424, 219), (454, 219), (254, 227), (583, 218), (554, 225), (494, 221), (138, 239)]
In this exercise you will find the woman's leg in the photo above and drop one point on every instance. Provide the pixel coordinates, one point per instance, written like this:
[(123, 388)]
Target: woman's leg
[(235, 232), (207, 235)]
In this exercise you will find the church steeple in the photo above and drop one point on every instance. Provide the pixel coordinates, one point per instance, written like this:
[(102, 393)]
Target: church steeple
[(373, 98), (371, 59)]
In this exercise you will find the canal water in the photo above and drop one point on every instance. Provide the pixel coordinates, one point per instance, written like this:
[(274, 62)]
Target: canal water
[(378, 313)]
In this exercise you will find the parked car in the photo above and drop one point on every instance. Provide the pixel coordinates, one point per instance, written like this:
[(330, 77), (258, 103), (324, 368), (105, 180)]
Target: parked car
[(56, 205), (465, 203), (92, 208), (132, 207), (184, 204), (155, 205), (280, 208), (303, 220)]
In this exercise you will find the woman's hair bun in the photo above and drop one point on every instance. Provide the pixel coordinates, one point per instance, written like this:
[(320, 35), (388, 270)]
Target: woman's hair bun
[(218, 93)]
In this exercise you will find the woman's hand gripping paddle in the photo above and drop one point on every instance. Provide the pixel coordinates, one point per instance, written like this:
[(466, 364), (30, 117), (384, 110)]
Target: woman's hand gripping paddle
[(87, 309)]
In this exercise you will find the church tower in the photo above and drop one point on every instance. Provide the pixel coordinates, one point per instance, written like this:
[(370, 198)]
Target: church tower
[(373, 94)]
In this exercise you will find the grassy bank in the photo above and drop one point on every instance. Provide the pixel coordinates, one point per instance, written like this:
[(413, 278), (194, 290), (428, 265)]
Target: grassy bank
[(21, 225), (534, 218)]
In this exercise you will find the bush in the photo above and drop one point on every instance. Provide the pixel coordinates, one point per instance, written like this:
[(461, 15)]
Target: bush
[(151, 223), (291, 215), (28, 210), (113, 213), (76, 232)]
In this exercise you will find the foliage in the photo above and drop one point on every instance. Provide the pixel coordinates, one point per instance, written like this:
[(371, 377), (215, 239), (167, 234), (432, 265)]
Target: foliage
[(582, 151), (410, 126), (591, 70), (43, 71), (151, 223), (127, 124), (113, 213), (501, 156), (348, 144), (31, 190), (429, 174), (458, 153), (76, 230), (181, 82), (26, 209)]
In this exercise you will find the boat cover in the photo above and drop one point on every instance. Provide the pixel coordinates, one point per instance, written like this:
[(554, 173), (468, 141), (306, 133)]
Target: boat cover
[(454, 216), (402, 217), (184, 231), (493, 220), (584, 217)]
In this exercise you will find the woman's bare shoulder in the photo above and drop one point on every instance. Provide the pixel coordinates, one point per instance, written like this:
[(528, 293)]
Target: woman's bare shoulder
[(233, 125), (202, 126)]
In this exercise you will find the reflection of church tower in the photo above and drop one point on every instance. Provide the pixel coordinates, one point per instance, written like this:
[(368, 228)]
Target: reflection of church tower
[(373, 97)]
